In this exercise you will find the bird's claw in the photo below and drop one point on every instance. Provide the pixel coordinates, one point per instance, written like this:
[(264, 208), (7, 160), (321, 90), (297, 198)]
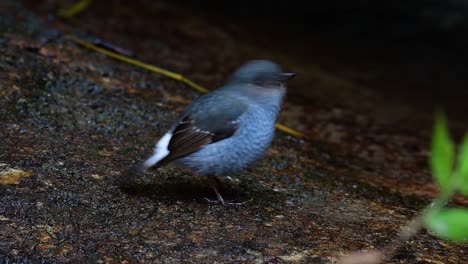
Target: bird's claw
[(225, 203)]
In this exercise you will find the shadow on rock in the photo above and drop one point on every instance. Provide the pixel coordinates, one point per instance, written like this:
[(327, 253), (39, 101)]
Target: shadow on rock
[(180, 188)]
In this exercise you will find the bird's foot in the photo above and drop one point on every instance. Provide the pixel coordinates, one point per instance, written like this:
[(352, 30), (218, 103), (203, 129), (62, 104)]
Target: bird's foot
[(215, 184), (225, 203)]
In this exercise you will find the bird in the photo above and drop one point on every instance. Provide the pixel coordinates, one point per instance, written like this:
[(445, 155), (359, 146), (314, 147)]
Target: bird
[(228, 129)]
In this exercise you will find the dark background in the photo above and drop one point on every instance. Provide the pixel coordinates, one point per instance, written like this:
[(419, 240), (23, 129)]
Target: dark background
[(412, 51)]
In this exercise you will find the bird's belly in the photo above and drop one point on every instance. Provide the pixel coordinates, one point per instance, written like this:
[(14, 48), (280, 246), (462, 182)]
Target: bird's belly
[(235, 153)]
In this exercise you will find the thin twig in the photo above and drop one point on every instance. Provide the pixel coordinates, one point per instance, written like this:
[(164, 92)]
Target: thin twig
[(74, 9)]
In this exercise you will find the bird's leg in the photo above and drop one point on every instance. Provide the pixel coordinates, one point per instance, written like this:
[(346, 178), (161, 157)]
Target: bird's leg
[(215, 184)]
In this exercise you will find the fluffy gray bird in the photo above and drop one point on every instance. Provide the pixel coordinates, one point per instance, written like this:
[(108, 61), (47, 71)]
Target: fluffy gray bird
[(228, 129)]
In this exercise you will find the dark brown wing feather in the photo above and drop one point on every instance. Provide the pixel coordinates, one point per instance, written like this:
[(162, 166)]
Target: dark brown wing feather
[(200, 125), (188, 138)]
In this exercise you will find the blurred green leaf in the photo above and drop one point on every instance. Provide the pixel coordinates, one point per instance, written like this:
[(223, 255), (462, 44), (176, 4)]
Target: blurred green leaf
[(450, 224), (442, 152), (462, 171)]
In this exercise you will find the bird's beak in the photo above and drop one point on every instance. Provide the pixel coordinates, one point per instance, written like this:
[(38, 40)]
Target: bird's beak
[(286, 76)]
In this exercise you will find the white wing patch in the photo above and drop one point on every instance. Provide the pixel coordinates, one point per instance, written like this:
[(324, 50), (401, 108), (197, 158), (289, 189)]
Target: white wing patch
[(160, 151)]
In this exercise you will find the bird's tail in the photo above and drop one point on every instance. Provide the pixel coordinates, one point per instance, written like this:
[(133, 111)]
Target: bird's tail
[(136, 173), (158, 158), (133, 175)]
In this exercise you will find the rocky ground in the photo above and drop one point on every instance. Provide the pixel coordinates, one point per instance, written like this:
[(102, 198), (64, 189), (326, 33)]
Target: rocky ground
[(72, 121)]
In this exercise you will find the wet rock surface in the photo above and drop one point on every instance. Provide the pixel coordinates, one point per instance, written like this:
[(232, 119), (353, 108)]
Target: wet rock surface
[(73, 121)]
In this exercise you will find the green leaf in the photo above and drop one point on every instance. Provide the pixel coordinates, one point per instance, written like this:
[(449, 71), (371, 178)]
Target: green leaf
[(442, 152), (462, 171), (450, 224)]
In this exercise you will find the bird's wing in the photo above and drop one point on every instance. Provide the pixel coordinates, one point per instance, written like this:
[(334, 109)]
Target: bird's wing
[(211, 119)]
